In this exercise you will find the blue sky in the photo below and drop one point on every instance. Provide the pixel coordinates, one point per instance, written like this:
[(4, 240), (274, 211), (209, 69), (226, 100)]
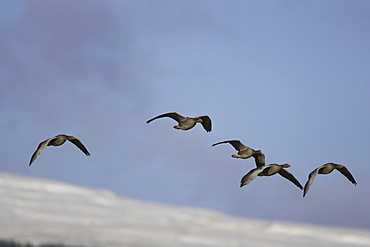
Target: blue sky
[(288, 77)]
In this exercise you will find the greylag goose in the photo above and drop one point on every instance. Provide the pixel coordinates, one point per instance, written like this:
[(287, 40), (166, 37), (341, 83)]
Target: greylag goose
[(186, 123), (326, 169), (269, 170), (244, 152), (57, 141)]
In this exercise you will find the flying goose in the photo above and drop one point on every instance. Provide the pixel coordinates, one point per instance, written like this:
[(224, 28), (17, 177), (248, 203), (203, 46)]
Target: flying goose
[(326, 169), (57, 141), (269, 170), (186, 123), (244, 152)]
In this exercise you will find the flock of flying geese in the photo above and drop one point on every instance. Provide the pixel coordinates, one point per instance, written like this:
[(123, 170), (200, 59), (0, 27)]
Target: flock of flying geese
[(244, 152)]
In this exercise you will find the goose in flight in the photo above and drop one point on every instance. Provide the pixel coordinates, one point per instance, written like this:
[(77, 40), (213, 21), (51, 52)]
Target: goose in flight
[(186, 123), (57, 141), (269, 170), (245, 152), (326, 169)]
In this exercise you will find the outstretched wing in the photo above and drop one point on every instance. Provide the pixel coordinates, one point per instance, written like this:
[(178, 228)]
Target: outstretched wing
[(251, 175), (39, 149), (79, 144), (259, 159), (309, 182), (206, 122), (347, 174), (235, 143), (174, 115), (284, 173)]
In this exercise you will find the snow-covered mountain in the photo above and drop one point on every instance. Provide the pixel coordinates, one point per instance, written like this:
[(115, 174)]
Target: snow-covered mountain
[(42, 211)]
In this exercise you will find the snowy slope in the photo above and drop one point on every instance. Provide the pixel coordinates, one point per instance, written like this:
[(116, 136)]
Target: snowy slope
[(40, 211)]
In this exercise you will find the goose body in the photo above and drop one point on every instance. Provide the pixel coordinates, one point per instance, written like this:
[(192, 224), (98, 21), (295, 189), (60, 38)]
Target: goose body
[(327, 169), (244, 152), (57, 141), (269, 170), (186, 123)]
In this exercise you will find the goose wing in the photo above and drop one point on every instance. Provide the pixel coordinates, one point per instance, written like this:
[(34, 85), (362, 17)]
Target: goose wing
[(252, 174), (311, 177), (79, 144), (206, 122), (284, 173), (235, 143), (174, 115), (347, 174), (259, 159), (39, 149)]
